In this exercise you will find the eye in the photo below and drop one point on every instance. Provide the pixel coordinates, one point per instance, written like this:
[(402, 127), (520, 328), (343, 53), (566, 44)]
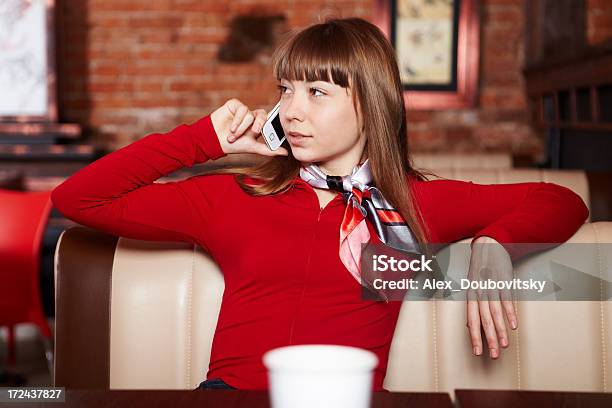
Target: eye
[(281, 89), (316, 90)]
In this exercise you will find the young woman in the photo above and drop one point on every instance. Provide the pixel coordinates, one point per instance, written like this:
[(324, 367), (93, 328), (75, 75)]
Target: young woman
[(286, 232)]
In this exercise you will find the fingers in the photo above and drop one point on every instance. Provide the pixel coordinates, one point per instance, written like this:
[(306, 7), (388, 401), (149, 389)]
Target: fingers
[(500, 325), (245, 120), (242, 119), (264, 150), (237, 110), (510, 313), (480, 311), (488, 326), (473, 324), (260, 119), (487, 311)]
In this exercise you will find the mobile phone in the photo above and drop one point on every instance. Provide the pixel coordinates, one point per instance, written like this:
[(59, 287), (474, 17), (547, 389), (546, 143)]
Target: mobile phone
[(272, 130)]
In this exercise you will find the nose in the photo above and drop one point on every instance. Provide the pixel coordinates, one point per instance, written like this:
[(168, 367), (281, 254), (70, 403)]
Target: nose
[(291, 108)]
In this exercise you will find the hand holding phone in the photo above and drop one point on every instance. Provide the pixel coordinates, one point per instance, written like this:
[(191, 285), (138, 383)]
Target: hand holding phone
[(239, 129)]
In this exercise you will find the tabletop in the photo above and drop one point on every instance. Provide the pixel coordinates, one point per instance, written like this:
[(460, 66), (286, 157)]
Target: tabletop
[(540, 399), (223, 398)]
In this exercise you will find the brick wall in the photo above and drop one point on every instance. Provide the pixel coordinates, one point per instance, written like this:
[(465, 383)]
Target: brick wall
[(128, 68), (599, 20)]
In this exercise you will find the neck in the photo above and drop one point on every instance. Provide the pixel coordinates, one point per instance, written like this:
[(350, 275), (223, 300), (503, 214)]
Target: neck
[(341, 166)]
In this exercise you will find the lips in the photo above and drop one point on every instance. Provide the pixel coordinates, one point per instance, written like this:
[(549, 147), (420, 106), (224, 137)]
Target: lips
[(297, 139), (297, 134)]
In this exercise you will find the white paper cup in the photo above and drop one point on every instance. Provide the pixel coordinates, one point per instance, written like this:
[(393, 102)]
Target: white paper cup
[(309, 376)]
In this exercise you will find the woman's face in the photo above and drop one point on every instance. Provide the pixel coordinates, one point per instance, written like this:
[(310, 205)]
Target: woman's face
[(324, 113)]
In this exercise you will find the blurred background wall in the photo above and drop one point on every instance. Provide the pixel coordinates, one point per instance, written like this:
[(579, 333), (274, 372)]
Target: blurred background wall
[(128, 68)]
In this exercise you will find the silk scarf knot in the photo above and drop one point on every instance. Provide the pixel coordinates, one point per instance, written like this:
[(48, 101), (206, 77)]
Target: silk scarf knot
[(366, 211)]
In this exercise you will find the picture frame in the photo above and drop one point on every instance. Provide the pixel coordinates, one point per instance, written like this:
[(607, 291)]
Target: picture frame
[(444, 38), (27, 62)]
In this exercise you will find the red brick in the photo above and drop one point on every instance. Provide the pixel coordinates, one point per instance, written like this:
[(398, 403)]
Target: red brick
[(109, 21), (602, 18), (206, 6), (457, 134), (149, 87), (155, 36), (502, 99), (133, 68), (110, 87), (598, 5), (415, 116), (105, 69), (162, 54), (155, 22), (182, 86)]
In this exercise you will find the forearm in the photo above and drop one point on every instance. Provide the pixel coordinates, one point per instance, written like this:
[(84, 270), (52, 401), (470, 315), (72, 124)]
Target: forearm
[(136, 165)]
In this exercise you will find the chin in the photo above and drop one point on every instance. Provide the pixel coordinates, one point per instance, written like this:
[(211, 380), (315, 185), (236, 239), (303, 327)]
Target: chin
[(306, 156)]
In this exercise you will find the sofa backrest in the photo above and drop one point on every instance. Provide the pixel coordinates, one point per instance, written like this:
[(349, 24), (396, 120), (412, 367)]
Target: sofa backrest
[(421, 160), (465, 161), (141, 315)]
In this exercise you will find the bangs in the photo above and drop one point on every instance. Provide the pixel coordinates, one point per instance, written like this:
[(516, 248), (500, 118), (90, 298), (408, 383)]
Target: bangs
[(319, 53)]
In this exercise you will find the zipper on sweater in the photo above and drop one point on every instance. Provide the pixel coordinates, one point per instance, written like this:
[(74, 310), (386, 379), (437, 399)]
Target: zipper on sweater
[(307, 273)]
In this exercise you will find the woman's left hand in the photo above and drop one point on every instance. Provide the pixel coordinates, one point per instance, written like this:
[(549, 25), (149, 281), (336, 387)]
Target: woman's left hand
[(486, 308)]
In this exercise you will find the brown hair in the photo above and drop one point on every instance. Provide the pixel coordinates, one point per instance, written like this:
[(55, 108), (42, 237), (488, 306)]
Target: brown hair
[(348, 52)]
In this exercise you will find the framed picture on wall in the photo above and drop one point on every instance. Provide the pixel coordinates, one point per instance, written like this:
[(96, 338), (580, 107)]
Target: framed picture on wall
[(437, 47), (27, 73)]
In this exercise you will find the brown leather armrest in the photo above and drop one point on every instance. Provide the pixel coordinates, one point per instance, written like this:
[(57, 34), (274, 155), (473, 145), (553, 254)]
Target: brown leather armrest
[(83, 273), (600, 192)]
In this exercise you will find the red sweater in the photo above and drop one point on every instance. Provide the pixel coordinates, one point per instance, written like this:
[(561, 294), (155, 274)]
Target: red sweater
[(284, 281)]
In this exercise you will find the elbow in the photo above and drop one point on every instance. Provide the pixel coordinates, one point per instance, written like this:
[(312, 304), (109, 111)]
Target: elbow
[(584, 210), (577, 205), (58, 198), (63, 200), (573, 206)]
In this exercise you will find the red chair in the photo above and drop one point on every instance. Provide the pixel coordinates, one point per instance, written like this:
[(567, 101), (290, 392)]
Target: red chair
[(23, 218)]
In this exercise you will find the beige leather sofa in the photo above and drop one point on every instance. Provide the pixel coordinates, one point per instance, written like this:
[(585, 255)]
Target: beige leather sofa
[(457, 161), (141, 315), (135, 314)]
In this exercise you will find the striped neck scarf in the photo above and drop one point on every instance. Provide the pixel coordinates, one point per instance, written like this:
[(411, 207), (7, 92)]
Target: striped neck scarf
[(366, 211)]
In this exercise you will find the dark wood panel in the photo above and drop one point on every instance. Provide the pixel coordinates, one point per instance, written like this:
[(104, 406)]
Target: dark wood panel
[(227, 398), (540, 399), (571, 104), (46, 152), (554, 28), (30, 130)]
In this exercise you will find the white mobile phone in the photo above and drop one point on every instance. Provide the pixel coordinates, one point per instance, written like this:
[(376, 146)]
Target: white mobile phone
[(272, 130)]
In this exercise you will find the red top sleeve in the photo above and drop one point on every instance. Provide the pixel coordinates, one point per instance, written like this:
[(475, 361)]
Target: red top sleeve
[(117, 193), (509, 213)]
